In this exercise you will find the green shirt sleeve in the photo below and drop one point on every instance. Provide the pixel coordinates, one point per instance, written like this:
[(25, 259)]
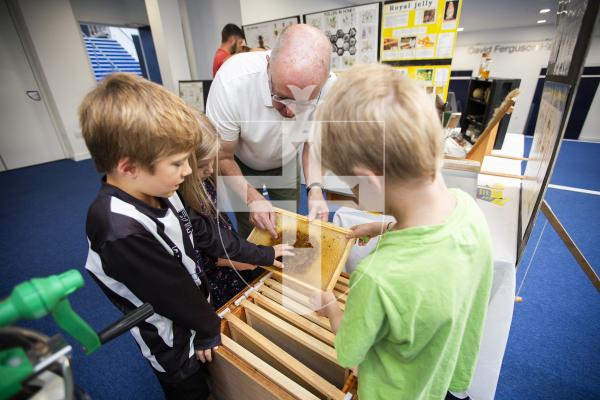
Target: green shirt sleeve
[(362, 323)]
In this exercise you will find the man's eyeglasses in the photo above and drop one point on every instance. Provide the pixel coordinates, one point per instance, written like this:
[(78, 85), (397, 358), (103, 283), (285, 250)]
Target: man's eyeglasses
[(297, 106)]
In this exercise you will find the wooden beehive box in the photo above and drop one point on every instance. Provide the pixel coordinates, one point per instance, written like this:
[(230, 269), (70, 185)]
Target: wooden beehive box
[(321, 250), (274, 347)]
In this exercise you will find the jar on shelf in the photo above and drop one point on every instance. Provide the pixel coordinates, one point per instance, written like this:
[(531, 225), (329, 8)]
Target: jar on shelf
[(484, 65)]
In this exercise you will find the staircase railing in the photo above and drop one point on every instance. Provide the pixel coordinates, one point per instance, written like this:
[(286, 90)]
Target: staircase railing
[(97, 51)]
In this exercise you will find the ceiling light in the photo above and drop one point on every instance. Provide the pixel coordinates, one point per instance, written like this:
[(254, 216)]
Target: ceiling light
[(544, 10), (460, 29), (541, 21)]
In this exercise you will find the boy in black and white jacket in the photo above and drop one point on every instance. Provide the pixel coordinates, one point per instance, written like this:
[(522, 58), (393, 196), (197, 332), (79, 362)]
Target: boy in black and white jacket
[(142, 243)]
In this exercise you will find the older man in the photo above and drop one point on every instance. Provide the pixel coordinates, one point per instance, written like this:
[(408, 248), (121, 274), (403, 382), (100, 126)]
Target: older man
[(262, 105)]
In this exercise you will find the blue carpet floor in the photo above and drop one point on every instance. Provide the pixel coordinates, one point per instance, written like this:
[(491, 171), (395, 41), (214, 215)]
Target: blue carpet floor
[(554, 343)]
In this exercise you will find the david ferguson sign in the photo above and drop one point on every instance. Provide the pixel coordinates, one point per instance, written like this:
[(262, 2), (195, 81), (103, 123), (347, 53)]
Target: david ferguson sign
[(510, 48)]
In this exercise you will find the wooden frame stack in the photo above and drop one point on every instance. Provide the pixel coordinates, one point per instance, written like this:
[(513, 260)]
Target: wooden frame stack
[(274, 347)]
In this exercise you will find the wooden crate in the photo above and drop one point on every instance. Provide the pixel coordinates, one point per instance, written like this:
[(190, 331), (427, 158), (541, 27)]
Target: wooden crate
[(274, 347), (312, 268)]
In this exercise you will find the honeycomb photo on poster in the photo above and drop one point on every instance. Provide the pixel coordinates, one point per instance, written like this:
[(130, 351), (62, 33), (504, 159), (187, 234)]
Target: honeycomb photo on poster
[(343, 42)]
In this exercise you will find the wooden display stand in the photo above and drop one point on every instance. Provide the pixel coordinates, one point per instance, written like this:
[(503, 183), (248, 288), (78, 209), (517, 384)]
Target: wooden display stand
[(485, 144), (274, 347)]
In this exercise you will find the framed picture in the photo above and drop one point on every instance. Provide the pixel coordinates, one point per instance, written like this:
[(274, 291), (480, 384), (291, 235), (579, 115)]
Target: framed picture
[(352, 31), (264, 34), (194, 93)]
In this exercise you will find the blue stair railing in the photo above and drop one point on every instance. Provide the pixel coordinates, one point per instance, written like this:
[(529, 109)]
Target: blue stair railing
[(108, 56)]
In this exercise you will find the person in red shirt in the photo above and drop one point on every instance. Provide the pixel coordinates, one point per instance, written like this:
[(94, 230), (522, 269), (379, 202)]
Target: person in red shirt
[(232, 38)]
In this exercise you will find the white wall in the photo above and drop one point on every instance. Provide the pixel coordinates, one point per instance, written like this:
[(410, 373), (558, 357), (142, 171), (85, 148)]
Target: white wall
[(111, 12), (254, 11), (524, 65), (591, 127), (206, 19), (123, 36), (60, 58), (169, 42)]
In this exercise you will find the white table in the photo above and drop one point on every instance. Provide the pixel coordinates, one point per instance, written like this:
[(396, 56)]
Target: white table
[(503, 224)]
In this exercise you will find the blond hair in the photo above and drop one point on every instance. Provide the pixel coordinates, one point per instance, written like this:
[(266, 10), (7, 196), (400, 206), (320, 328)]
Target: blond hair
[(192, 189), (127, 116), (374, 115)]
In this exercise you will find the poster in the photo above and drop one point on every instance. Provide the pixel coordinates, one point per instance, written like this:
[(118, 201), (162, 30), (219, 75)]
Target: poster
[(433, 78), (192, 92), (419, 29), (353, 33), (265, 34), (546, 139), (568, 50)]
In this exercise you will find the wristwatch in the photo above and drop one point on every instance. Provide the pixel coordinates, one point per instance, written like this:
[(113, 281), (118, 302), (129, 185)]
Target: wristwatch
[(314, 184)]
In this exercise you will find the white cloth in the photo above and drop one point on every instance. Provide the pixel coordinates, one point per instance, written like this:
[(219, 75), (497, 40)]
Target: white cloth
[(239, 105)]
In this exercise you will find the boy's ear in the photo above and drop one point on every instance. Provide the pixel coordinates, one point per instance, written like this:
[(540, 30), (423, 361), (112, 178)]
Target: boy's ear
[(374, 180), (127, 168)]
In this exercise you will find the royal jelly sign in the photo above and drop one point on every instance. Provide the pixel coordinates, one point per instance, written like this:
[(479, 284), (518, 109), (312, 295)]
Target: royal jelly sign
[(419, 30)]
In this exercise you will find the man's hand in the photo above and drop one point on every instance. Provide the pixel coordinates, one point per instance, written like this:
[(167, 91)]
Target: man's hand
[(317, 206), (262, 215), (205, 355)]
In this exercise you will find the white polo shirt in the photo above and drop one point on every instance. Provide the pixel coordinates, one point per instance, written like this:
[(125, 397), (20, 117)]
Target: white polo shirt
[(239, 106)]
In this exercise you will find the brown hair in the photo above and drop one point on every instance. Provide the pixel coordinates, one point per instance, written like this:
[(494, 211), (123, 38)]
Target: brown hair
[(192, 188), (372, 116), (129, 116)]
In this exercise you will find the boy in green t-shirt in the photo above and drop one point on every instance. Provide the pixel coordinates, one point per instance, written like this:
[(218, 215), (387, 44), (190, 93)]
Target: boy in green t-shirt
[(417, 305)]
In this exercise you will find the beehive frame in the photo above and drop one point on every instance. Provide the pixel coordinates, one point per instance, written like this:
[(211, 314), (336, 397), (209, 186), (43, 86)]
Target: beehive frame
[(331, 265)]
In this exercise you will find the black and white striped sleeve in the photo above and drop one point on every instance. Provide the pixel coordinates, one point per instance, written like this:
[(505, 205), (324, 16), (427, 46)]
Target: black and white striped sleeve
[(156, 277), (215, 241)]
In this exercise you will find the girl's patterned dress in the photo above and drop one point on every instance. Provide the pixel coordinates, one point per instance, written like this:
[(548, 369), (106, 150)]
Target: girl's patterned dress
[(224, 282)]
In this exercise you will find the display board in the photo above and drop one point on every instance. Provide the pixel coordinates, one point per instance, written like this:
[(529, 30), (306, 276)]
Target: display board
[(353, 32), (548, 134), (575, 22), (419, 30), (434, 78), (564, 56), (265, 34), (418, 39), (192, 92)]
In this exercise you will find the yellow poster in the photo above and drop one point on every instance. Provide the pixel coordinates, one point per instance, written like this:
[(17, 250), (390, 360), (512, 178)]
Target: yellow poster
[(419, 29), (434, 78)]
